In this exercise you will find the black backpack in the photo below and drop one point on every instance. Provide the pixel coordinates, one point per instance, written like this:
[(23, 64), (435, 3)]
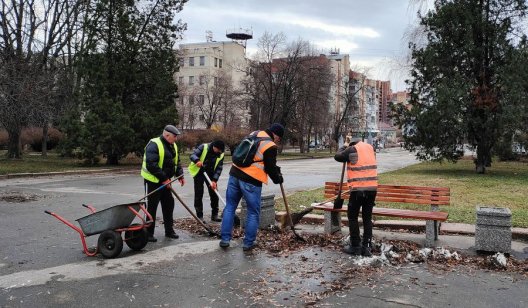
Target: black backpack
[(246, 150)]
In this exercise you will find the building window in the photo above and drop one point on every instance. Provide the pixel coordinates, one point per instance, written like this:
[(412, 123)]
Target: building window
[(180, 80), (181, 62), (215, 81), (191, 80), (220, 63), (201, 99), (216, 62), (191, 100), (191, 61), (202, 60), (202, 118), (202, 80), (181, 100)]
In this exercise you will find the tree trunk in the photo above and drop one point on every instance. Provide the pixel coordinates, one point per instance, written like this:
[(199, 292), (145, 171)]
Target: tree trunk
[(45, 140), (14, 147), (112, 159), (483, 158)]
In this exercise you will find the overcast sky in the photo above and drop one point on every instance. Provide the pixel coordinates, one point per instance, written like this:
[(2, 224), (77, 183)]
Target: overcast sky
[(370, 31)]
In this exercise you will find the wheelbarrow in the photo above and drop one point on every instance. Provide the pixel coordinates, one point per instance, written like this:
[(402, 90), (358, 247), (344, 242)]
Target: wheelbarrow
[(110, 223)]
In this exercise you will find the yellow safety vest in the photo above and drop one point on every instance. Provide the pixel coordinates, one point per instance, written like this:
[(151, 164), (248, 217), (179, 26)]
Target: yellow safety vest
[(161, 150), (193, 169)]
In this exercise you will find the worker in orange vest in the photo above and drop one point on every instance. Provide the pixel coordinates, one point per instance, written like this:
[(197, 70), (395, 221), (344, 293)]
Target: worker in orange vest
[(247, 182), (362, 181)]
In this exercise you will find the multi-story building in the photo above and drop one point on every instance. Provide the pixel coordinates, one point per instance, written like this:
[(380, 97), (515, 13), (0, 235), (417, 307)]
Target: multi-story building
[(364, 115), (384, 97), (209, 75), (340, 67)]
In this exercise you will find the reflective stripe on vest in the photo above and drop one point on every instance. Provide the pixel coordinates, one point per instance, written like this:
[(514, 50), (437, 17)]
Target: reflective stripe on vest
[(256, 170), (364, 174), (193, 169), (161, 152)]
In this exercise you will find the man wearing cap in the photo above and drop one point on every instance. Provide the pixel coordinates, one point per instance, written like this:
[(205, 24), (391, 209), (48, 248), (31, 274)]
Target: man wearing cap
[(208, 158), (362, 177), (246, 182), (160, 164)]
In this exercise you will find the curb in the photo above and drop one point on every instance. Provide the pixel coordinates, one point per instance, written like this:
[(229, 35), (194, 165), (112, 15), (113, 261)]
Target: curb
[(418, 226), (71, 172)]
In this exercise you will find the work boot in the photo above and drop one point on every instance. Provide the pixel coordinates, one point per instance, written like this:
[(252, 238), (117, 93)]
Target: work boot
[(224, 244), (352, 250), (200, 216), (366, 250), (215, 218), (172, 235), (152, 239)]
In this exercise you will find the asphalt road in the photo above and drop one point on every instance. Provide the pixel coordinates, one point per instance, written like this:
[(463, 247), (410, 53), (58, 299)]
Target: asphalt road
[(42, 264)]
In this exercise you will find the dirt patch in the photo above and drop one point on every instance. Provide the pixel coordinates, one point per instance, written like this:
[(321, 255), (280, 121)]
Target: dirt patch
[(18, 197)]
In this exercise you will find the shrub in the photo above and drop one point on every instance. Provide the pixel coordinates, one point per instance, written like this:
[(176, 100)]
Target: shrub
[(32, 136)]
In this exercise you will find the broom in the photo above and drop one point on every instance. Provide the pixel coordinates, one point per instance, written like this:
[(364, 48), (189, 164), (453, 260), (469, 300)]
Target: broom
[(296, 217)]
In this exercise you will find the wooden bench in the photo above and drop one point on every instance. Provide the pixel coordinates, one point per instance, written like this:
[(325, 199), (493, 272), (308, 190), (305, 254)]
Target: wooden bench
[(419, 195)]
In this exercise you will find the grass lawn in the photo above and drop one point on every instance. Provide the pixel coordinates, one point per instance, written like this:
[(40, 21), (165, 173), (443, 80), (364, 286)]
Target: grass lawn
[(32, 162), (504, 185)]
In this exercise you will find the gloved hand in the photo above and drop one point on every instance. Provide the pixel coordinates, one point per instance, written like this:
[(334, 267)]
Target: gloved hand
[(281, 179), (167, 183)]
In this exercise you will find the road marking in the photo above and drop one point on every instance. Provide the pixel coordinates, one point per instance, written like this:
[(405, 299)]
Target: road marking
[(105, 267)]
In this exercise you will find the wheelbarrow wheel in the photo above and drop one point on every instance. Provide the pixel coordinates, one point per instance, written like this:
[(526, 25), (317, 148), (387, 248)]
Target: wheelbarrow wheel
[(136, 239), (110, 244)]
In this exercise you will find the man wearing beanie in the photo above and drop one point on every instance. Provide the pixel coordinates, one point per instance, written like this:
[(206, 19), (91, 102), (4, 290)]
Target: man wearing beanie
[(246, 182), (160, 163), (208, 158)]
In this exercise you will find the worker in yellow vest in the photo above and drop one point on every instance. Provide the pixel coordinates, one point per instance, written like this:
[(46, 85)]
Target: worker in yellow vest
[(208, 158), (247, 182), (160, 164), (362, 177)]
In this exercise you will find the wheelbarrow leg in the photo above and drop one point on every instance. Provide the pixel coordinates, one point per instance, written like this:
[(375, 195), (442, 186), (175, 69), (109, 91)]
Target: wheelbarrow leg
[(86, 250)]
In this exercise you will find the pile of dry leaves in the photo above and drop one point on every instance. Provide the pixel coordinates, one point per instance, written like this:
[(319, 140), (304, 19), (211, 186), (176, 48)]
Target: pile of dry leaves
[(390, 252)]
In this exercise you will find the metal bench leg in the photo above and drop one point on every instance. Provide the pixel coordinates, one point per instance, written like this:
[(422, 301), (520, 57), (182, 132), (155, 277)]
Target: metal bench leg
[(332, 222)]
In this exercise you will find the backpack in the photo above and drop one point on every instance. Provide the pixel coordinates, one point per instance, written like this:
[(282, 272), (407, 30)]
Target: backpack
[(246, 150)]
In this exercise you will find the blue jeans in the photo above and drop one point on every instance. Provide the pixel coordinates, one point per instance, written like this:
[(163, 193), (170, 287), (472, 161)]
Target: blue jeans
[(236, 189)]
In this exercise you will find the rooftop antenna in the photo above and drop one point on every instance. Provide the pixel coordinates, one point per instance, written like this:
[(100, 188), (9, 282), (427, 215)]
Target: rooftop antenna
[(208, 36), (240, 36)]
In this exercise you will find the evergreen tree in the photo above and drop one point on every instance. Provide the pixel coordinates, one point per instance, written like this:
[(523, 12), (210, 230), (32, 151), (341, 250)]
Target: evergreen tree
[(458, 79), (127, 70)]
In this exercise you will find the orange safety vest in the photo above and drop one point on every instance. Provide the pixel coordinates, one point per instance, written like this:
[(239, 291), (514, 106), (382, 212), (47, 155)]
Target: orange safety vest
[(256, 170), (364, 174)]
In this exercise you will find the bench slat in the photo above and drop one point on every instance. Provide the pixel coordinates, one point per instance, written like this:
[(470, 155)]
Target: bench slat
[(439, 216), (403, 199)]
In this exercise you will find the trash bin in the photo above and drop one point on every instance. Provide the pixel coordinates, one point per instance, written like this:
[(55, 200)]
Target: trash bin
[(267, 212), (493, 229)]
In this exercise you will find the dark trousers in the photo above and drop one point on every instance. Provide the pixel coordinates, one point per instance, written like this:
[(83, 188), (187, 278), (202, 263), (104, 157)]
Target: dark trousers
[(363, 200), (167, 206), (199, 181)]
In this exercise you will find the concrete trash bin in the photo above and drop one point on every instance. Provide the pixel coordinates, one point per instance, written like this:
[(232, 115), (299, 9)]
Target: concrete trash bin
[(267, 212), (493, 229)]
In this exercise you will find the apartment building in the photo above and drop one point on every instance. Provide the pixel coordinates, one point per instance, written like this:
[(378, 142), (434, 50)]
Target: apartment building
[(209, 75)]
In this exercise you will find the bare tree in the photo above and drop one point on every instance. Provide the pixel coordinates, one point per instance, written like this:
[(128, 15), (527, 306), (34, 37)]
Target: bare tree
[(32, 36)]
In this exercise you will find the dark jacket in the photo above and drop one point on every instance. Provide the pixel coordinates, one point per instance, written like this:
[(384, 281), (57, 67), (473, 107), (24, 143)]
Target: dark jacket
[(347, 154), (209, 162), (270, 166), (169, 169)]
